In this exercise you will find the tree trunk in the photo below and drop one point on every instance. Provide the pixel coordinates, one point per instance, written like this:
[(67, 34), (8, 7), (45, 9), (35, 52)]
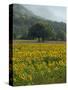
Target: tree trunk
[(38, 39)]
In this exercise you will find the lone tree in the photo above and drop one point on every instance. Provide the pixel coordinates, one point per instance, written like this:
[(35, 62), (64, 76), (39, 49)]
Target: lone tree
[(38, 31)]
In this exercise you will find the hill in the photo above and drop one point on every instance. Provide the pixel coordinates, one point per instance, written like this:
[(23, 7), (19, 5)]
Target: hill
[(23, 19)]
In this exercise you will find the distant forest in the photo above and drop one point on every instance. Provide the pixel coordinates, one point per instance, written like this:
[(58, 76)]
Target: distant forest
[(27, 26)]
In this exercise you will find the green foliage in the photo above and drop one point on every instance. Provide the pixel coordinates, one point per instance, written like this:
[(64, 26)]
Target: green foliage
[(38, 31)]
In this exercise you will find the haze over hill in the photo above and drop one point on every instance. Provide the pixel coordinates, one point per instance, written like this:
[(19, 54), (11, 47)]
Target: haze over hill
[(53, 13), (24, 18)]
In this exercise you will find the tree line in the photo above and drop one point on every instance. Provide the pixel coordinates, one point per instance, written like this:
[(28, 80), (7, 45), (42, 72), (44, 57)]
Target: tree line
[(41, 32)]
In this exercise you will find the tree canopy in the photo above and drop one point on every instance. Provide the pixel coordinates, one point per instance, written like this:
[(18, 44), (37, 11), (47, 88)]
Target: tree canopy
[(39, 31)]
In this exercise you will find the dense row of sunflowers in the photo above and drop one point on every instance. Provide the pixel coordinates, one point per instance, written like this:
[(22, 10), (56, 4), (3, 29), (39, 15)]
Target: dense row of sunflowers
[(38, 63)]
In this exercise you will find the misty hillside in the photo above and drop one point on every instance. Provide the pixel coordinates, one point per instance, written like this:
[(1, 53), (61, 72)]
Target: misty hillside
[(23, 19)]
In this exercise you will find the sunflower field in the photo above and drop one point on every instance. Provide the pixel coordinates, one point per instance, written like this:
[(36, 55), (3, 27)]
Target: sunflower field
[(39, 63)]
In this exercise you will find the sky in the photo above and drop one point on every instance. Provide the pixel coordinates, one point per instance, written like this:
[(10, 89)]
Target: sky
[(54, 13)]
